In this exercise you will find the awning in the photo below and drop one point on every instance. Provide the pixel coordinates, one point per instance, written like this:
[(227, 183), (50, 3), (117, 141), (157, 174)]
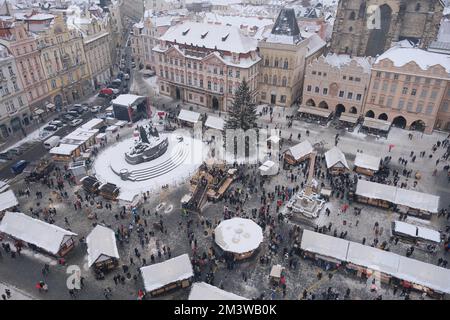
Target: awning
[(325, 113), (50, 106), (38, 112)]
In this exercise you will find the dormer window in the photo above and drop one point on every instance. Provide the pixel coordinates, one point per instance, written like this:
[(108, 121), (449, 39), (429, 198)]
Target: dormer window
[(185, 32), (204, 35)]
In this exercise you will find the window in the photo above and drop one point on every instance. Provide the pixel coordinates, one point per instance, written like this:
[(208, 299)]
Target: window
[(215, 70), (405, 90), (430, 108), (286, 64), (20, 101), (215, 86), (387, 75), (389, 102), (263, 95), (16, 87), (190, 96), (201, 99), (358, 97), (395, 76), (352, 15), (53, 84), (408, 78), (276, 63), (417, 79), (308, 88), (385, 85), (378, 75), (319, 73), (266, 79), (413, 92), (325, 91), (195, 65), (350, 78), (344, 77), (419, 107), (376, 85), (238, 74), (393, 88), (317, 90), (314, 72), (445, 106), (433, 95), (417, 6), (201, 83), (283, 99), (381, 100), (372, 98), (189, 64), (401, 104), (230, 88), (209, 85), (350, 95), (358, 79), (266, 62), (341, 94), (284, 82), (274, 82), (230, 72), (409, 106)]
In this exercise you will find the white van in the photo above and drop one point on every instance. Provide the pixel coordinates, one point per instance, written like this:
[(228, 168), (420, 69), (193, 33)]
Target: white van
[(51, 142)]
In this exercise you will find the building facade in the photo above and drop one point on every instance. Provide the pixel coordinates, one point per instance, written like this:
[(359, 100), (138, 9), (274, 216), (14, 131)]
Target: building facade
[(204, 64), (64, 62), (369, 27), (407, 87), (283, 53), (14, 111), (337, 82), (23, 45), (443, 115)]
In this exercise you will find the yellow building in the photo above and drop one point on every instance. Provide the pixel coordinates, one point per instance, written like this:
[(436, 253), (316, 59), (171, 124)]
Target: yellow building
[(64, 62)]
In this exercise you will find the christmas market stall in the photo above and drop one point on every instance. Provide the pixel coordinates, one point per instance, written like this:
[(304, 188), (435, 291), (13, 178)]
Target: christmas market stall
[(367, 164), (376, 127), (8, 201), (168, 275), (109, 191), (102, 249), (37, 234), (336, 162), (316, 115), (239, 237), (298, 153), (90, 184), (188, 118), (204, 291), (375, 194)]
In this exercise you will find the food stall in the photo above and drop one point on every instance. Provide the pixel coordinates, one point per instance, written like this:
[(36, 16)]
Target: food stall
[(276, 273), (415, 234), (367, 164), (238, 236), (90, 184), (314, 114), (376, 127), (323, 248), (188, 118), (102, 249), (336, 162), (349, 121), (168, 275), (375, 194), (298, 153), (109, 191), (8, 201)]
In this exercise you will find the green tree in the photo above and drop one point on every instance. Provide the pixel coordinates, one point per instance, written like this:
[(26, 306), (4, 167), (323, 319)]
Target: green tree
[(242, 114)]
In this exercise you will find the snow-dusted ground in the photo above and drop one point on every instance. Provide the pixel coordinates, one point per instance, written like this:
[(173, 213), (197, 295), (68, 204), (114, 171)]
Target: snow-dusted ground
[(16, 294), (37, 135)]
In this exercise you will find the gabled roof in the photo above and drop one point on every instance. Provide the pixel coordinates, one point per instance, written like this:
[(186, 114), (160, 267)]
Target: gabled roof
[(335, 156), (285, 30), (101, 242)]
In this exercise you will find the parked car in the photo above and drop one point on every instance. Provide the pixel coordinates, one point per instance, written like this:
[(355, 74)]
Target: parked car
[(56, 123), (133, 64), (95, 109), (116, 83), (85, 106), (79, 110), (73, 113), (50, 128), (5, 156), (66, 118), (75, 122), (19, 166), (106, 93)]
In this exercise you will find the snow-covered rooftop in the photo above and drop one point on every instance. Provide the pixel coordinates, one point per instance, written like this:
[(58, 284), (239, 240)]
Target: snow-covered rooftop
[(215, 123), (101, 244), (335, 156), (315, 43), (211, 36), (324, 245), (300, 150), (64, 149), (238, 235), (343, 60), (204, 291), (373, 258), (127, 100), (42, 234), (367, 161), (189, 116), (402, 54), (8, 200), (417, 231), (158, 275), (285, 29)]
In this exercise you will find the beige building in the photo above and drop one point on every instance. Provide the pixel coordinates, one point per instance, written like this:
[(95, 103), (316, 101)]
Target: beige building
[(443, 116), (283, 53), (64, 62), (407, 87), (205, 63), (337, 82)]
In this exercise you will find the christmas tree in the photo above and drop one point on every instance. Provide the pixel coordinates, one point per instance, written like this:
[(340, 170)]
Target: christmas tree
[(242, 114)]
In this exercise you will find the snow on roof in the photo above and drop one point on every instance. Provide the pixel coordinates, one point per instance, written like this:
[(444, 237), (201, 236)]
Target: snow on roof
[(238, 235), (417, 231), (92, 123), (239, 20), (42, 234), (335, 156), (127, 100), (101, 242), (402, 54), (375, 190), (36, 16), (315, 111), (349, 117), (417, 200), (158, 275), (215, 123), (315, 43), (64, 149), (79, 136), (444, 31), (8, 200), (300, 150), (425, 274), (204, 291), (376, 124), (211, 36), (324, 245), (266, 166), (367, 161), (274, 139), (409, 198), (343, 60), (189, 116), (373, 258)]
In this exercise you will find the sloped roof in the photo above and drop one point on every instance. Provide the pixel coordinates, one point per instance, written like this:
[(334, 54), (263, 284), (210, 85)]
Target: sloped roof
[(335, 156), (101, 242)]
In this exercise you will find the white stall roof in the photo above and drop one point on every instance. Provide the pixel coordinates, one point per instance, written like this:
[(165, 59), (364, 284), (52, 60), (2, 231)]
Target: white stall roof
[(42, 234), (300, 150), (324, 245), (417, 231), (417, 200), (91, 124), (64, 149), (377, 124), (161, 274), (204, 291), (373, 258), (3, 186), (424, 274), (8, 200), (335, 156), (215, 123), (266, 166), (238, 235), (101, 242), (367, 161), (375, 190), (127, 100), (274, 139), (189, 116)]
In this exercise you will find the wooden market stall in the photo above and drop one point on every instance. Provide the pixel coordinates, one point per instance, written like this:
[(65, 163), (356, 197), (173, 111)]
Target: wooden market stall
[(8, 201), (376, 127), (349, 120), (204, 291), (367, 164), (37, 234), (168, 275), (415, 234), (188, 118), (90, 184), (109, 191), (102, 249), (336, 162), (375, 194), (321, 116), (298, 153), (318, 246)]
